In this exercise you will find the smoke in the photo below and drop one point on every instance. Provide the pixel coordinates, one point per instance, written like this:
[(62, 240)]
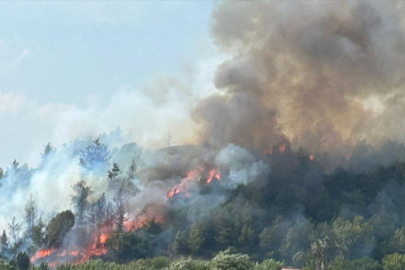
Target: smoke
[(323, 74), (241, 165)]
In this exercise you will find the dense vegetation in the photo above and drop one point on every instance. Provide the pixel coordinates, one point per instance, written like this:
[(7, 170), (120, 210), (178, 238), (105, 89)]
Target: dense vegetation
[(299, 215)]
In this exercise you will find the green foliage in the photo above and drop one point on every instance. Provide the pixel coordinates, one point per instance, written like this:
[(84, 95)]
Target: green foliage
[(196, 239), (22, 261), (94, 156), (271, 237), (353, 239), (58, 227), (394, 262), (338, 263), (397, 242), (38, 233), (127, 246), (180, 245), (4, 265), (155, 263), (80, 200), (43, 266), (189, 264), (226, 260), (269, 264), (365, 264), (247, 238), (95, 265), (297, 238)]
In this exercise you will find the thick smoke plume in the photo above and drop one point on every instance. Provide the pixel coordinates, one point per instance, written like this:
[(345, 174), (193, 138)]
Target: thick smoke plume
[(325, 74)]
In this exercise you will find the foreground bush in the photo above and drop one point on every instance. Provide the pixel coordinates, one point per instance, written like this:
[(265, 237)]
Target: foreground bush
[(394, 262), (226, 260), (269, 265), (189, 264)]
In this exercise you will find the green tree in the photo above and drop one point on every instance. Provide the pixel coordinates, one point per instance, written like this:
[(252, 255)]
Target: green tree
[(58, 227), (394, 262), (397, 242), (247, 238), (127, 246), (43, 266), (338, 263), (95, 156), (353, 239), (297, 238), (364, 264), (180, 245), (226, 260), (272, 236), (47, 150), (196, 238), (4, 243), (320, 251), (189, 264), (38, 233), (80, 200), (132, 170), (31, 215), (22, 261), (269, 264)]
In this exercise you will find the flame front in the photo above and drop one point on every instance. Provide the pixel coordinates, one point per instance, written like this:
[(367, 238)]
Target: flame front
[(183, 184), (42, 254)]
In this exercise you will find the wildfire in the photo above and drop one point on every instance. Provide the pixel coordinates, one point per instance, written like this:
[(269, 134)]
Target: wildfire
[(311, 157), (103, 238), (214, 174), (42, 253), (133, 225), (96, 248), (183, 184), (281, 148)]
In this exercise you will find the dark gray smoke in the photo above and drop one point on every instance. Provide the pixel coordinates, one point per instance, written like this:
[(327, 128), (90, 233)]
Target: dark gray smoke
[(324, 74)]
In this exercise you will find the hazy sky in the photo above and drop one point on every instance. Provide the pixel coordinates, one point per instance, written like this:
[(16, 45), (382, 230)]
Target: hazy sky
[(65, 67)]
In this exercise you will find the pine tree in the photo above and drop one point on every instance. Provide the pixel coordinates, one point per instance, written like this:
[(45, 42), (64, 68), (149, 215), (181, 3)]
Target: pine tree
[(47, 150), (113, 181), (196, 239), (4, 242), (31, 213), (100, 210), (132, 170), (120, 211), (14, 228), (180, 245), (80, 200), (95, 156), (246, 238)]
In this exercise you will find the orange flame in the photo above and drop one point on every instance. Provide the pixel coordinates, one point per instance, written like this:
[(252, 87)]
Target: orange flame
[(281, 148), (311, 157), (214, 174), (103, 238), (42, 253), (183, 184)]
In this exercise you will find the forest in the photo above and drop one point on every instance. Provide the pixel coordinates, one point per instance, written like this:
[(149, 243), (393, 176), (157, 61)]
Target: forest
[(189, 207)]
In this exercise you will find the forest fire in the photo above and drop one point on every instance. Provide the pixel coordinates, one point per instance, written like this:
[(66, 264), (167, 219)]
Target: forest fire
[(214, 174), (103, 238), (193, 175), (183, 184), (42, 254), (281, 148), (311, 157)]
